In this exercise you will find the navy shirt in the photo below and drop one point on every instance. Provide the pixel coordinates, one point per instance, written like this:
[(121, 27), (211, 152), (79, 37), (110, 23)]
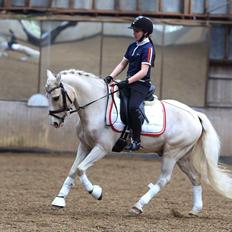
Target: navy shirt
[(139, 53)]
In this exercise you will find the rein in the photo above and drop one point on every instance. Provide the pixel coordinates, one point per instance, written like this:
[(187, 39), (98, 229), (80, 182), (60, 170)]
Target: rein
[(90, 103), (65, 108)]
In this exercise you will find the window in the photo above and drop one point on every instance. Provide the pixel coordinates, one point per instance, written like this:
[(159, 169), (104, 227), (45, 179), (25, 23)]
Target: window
[(221, 42), (217, 42), (230, 43), (172, 6)]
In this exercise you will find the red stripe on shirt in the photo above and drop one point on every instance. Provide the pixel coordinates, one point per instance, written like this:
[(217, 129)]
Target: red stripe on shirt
[(149, 55)]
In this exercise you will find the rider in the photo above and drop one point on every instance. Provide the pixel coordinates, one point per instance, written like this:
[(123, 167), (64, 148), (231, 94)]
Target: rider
[(12, 40), (140, 56)]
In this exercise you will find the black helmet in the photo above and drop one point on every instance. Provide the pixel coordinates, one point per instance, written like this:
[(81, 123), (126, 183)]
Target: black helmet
[(142, 23)]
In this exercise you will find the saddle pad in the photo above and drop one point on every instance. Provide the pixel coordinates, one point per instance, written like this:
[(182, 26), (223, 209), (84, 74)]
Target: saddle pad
[(155, 112)]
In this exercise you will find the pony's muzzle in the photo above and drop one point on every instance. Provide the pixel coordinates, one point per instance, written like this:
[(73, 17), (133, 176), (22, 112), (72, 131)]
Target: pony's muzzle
[(57, 124), (54, 122)]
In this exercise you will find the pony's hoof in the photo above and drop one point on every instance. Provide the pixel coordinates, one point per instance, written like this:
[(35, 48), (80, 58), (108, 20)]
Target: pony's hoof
[(136, 209), (96, 192), (196, 210), (59, 202), (194, 213)]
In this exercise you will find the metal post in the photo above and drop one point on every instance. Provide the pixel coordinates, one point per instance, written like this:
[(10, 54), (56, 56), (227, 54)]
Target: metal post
[(186, 6), (40, 62), (160, 6), (101, 49), (162, 64), (7, 3)]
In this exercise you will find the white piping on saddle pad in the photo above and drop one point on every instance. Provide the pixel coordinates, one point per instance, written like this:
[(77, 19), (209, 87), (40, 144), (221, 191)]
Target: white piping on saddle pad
[(181, 106)]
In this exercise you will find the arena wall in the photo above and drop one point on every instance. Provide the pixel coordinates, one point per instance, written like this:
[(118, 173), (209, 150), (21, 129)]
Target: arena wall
[(26, 128)]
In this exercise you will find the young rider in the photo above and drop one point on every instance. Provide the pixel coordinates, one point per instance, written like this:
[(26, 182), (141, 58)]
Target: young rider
[(140, 56)]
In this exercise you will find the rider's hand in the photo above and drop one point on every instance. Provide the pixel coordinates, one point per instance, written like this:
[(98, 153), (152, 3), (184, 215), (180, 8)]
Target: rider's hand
[(108, 79), (122, 84)]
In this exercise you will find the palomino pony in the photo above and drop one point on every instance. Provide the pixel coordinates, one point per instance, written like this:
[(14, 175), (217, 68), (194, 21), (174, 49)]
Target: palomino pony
[(190, 141)]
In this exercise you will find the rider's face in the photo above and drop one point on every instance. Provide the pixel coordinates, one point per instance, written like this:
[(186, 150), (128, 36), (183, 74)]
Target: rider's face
[(138, 34)]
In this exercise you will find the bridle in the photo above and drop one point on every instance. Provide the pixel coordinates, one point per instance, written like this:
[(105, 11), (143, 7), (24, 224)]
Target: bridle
[(65, 108)]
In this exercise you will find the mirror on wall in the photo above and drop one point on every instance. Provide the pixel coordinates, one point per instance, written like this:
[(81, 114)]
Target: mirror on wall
[(185, 59), (70, 45), (28, 48), (19, 60), (116, 38)]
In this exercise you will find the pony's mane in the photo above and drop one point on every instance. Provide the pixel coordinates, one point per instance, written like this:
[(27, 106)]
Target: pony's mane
[(77, 72)]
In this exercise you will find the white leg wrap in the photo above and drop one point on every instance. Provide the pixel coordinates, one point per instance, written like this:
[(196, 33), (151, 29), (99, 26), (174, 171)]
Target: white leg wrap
[(97, 192), (68, 183), (154, 189), (86, 183), (197, 198), (59, 201)]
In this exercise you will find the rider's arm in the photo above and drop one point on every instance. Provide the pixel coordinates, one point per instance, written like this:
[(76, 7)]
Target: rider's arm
[(119, 68), (140, 74)]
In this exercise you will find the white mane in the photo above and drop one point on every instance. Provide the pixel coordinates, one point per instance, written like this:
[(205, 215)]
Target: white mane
[(77, 72)]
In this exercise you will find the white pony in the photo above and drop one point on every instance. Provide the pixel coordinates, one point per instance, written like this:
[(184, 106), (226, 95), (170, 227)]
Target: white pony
[(190, 141)]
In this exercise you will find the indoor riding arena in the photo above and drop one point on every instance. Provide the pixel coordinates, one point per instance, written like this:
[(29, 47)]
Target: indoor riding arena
[(193, 65)]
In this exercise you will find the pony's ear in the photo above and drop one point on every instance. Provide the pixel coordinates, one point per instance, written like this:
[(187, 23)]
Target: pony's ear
[(50, 74)]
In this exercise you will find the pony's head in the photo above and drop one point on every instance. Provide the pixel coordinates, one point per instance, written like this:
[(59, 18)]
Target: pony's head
[(60, 97)]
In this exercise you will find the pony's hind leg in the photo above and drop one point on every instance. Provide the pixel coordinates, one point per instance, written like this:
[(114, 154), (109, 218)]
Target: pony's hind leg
[(165, 176), (59, 200), (186, 166)]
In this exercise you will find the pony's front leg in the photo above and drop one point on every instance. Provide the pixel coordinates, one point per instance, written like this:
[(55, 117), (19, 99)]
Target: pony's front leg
[(59, 200), (166, 172), (96, 153)]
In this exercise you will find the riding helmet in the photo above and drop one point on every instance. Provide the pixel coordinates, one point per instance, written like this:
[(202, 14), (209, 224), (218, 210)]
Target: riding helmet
[(142, 23)]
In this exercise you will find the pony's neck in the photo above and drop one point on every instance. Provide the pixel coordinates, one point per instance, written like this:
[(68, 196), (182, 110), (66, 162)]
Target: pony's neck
[(87, 88)]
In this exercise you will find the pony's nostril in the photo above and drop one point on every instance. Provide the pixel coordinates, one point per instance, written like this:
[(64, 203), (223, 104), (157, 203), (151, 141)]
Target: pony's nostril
[(55, 124)]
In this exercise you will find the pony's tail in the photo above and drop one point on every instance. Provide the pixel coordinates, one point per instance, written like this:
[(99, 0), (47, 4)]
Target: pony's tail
[(206, 156)]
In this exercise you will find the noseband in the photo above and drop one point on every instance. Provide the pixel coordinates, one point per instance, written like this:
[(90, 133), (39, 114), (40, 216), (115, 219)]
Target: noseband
[(65, 108)]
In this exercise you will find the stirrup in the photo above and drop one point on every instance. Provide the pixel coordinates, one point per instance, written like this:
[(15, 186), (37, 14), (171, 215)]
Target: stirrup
[(133, 146)]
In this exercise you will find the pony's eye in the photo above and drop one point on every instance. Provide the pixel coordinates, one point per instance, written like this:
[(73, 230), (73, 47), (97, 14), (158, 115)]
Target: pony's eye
[(56, 98)]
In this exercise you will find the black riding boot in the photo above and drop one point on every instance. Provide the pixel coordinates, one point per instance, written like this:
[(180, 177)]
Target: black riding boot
[(136, 126)]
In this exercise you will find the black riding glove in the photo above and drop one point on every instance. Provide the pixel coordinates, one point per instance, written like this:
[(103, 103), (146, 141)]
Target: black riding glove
[(108, 79), (122, 84)]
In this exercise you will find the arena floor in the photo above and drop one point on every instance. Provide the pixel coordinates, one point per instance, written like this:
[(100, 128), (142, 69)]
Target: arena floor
[(30, 181)]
